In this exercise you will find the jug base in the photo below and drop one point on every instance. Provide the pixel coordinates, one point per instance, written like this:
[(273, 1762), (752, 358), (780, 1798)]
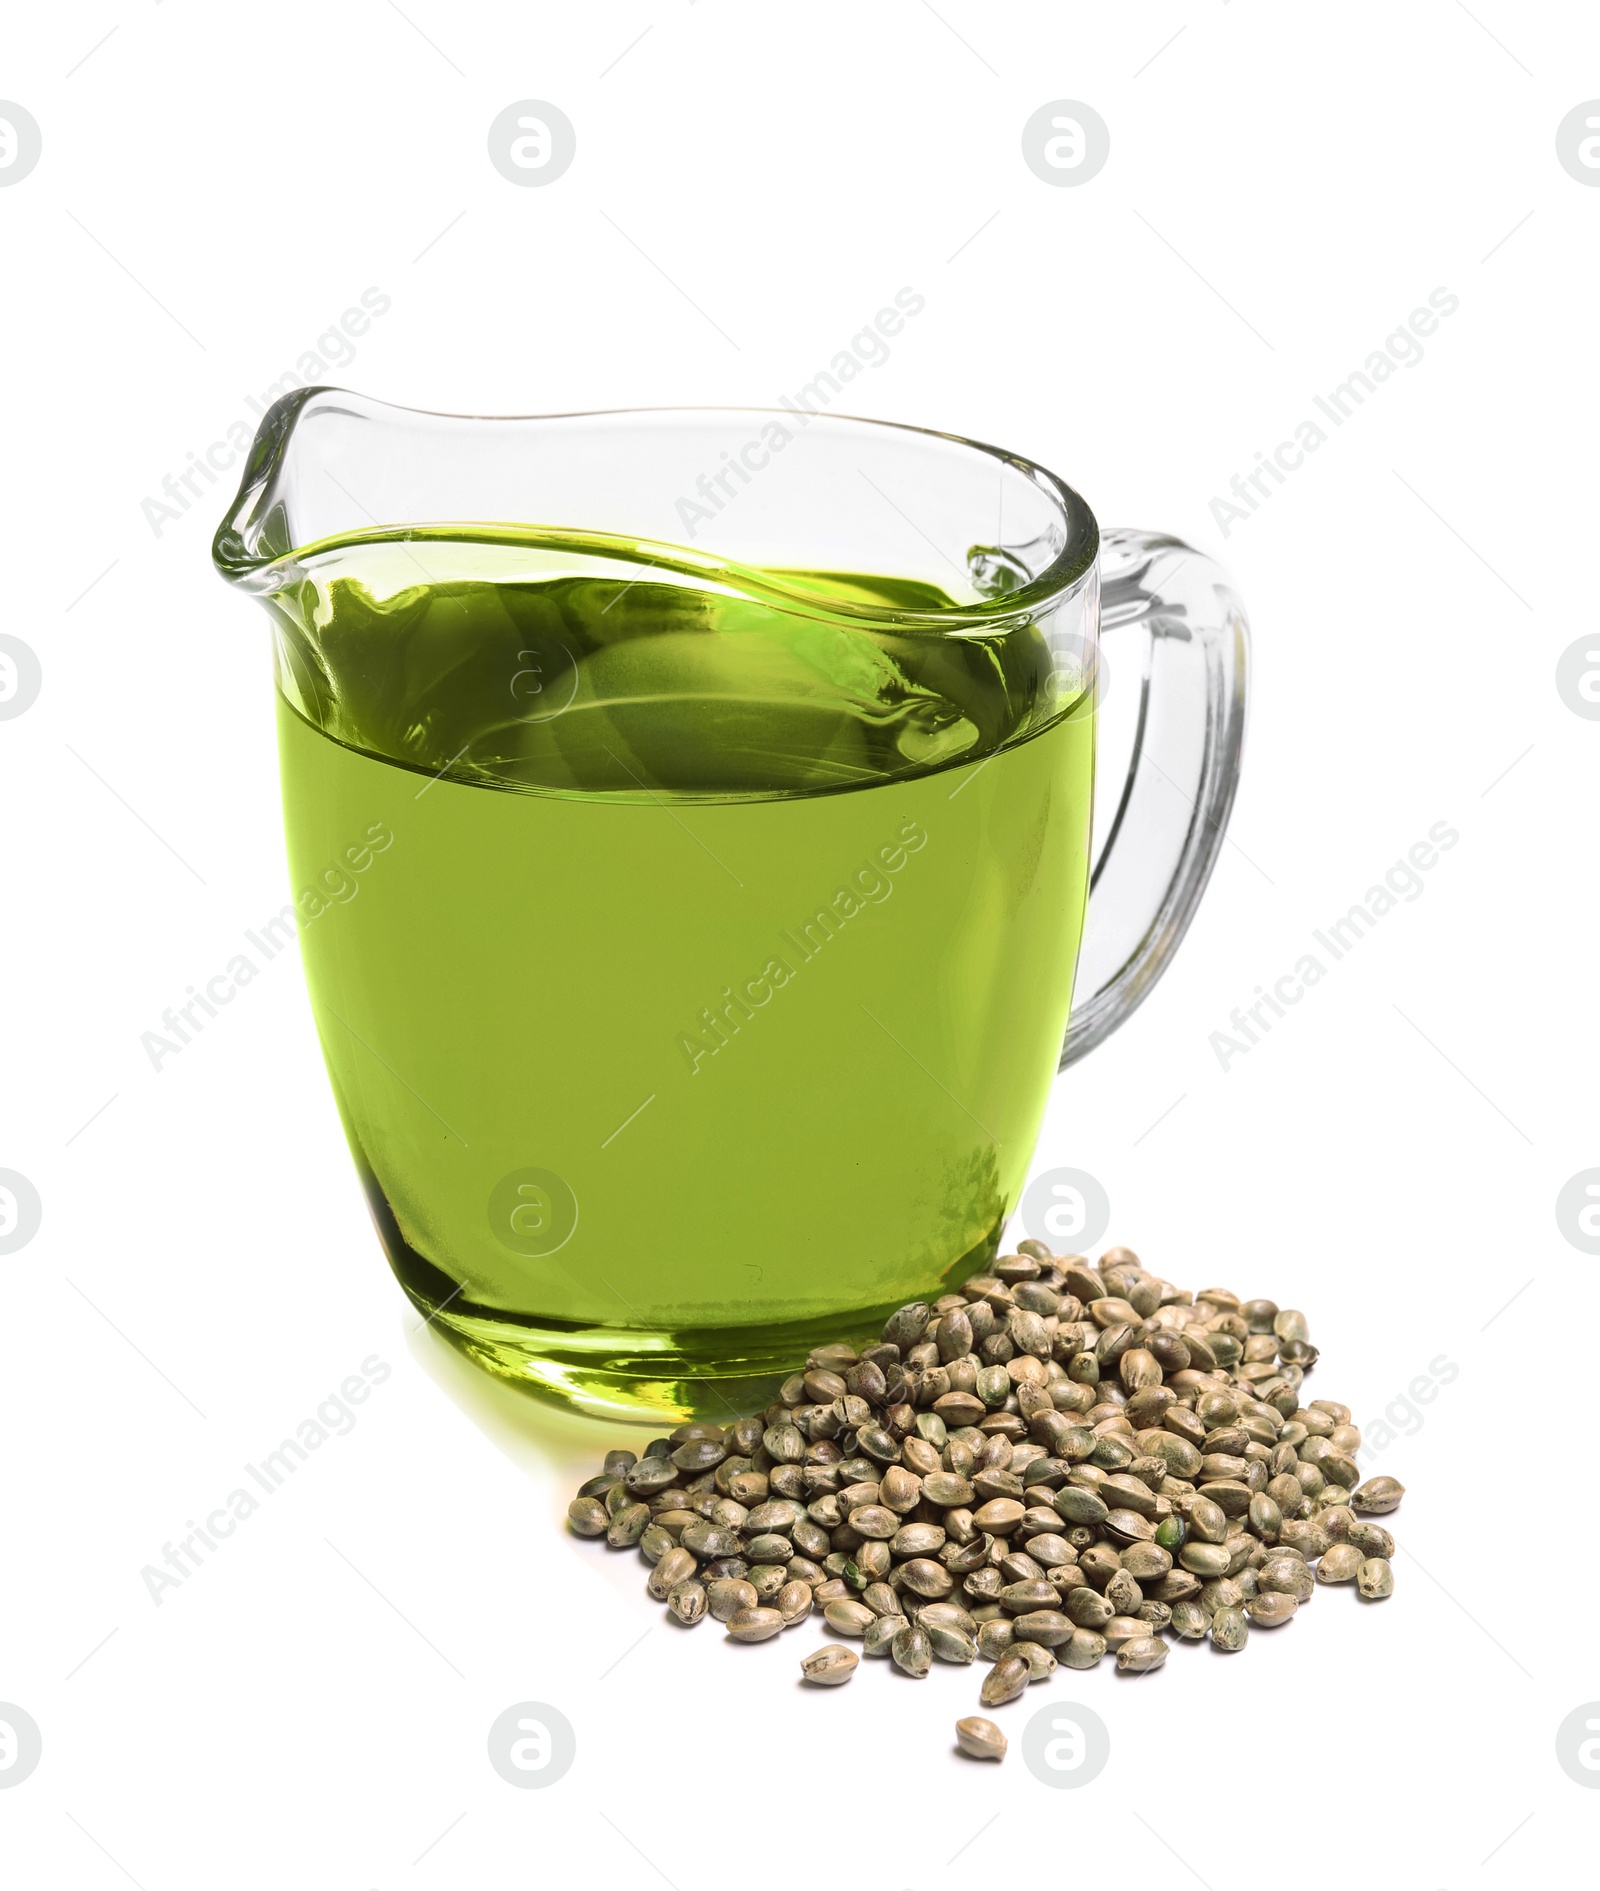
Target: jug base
[(642, 1374), (643, 1377)]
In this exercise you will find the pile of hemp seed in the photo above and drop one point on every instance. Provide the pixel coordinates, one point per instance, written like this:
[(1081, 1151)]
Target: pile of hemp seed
[(1062, 1460)]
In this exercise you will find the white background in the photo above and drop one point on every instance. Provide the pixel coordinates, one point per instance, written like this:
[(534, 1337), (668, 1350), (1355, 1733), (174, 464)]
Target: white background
[(752, 182)]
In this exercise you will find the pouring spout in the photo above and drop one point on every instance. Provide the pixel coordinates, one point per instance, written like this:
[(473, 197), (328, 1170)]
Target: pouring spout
[(257, 530)]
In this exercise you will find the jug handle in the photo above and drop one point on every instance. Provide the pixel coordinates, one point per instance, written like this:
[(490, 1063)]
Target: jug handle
[(1171, 625)]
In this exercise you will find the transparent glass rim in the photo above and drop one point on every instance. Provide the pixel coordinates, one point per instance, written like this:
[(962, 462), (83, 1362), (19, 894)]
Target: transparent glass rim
[(238, 557)]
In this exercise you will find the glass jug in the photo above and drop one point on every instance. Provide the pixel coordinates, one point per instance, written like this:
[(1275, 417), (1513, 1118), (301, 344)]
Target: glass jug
[(689, 813)]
